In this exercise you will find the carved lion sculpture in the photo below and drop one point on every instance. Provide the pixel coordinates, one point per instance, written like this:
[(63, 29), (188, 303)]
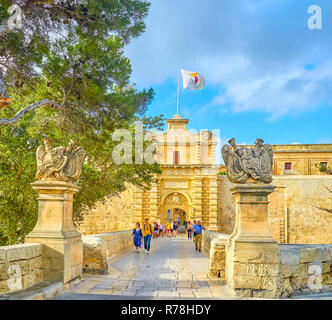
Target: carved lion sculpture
[(243, 163), (60, 163)]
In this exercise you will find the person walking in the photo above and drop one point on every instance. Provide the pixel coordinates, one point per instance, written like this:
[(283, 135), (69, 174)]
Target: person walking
[(155, 230), (198, 235), (137, 237), (169, 228), (172, 227), (176, 227), (161, 228), (165, 229), (189, 229), (192, 230), (147, 233)]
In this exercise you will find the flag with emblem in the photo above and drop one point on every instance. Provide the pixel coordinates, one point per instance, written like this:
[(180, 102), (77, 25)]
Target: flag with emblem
[(192, 80)]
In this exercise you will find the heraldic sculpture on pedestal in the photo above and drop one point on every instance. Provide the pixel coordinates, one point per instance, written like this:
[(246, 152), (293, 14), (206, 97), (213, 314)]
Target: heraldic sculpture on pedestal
[(243, 163)]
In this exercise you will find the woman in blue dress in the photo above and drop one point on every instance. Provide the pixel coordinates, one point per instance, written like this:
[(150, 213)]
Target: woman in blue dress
[(137, 235)]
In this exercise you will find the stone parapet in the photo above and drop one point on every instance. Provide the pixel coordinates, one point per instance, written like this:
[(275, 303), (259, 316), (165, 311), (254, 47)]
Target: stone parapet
[(20, 267), (98, 248), (216, 243), (305, 269)]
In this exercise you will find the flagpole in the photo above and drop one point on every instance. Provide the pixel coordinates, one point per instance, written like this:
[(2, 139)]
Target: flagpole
[(177, 107)]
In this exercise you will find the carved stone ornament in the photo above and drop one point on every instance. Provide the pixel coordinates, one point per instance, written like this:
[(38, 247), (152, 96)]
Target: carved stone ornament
[(60, 163), (243, 163), (175, 199)]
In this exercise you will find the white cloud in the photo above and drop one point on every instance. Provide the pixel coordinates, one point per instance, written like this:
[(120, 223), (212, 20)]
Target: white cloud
[(252, 52)]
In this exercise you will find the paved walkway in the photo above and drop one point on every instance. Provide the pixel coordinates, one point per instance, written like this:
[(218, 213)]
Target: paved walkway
[(173, 269)]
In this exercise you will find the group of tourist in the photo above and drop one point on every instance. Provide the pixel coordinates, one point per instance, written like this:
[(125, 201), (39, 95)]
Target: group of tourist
[(168, 229), (194, 231)]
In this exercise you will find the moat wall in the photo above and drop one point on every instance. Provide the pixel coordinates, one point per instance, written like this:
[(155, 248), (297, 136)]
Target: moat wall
[(297, 210)]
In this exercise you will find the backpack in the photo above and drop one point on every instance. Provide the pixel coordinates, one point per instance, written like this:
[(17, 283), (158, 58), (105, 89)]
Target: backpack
[(150, 227)]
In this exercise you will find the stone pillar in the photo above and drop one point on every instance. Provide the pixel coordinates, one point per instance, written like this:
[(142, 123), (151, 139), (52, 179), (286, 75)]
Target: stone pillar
[(252, 266), (197, 201), (62, 255), (213, 225)]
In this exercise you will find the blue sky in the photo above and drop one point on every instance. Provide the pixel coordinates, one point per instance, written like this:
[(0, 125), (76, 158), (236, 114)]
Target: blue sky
[(267, 74)]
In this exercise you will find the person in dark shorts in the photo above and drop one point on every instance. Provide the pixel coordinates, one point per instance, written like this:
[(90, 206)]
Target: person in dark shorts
[(155, 230), (189, 229), (175, 228)]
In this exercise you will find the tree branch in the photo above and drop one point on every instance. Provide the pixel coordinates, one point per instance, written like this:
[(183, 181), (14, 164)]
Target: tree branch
[(329, 190), (324, 209), (36, 105)]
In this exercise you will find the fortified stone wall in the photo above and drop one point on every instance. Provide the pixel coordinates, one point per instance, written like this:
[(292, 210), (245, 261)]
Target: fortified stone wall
[(296, 209), (110, 215), (20, 267), (300, 205)]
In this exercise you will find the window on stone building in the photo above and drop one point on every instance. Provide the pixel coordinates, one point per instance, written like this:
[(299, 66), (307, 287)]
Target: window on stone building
[(288, 166), (323, 164), (176, 157)]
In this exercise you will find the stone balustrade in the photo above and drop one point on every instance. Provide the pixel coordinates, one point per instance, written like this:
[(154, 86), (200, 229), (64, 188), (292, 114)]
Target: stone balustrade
[(20, 267), (100, 247)]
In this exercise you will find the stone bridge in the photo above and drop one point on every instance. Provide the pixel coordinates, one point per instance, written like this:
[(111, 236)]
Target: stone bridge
[(57, 262), (173, 270)]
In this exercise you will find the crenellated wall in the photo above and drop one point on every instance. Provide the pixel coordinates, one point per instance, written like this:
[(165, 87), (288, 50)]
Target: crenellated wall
[(110, 215)]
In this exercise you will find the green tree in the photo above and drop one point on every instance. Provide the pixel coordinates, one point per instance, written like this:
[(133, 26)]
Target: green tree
[(68, 57)]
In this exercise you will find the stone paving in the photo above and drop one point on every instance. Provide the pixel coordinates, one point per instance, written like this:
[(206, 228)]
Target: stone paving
[(173, 269)]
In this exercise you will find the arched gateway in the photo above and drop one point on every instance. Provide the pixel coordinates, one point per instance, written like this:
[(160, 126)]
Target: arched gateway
[(175, 206), (187, 187)]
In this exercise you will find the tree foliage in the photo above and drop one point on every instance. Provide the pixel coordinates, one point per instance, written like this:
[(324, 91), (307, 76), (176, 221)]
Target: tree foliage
[(69, 52), (324, 168)]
